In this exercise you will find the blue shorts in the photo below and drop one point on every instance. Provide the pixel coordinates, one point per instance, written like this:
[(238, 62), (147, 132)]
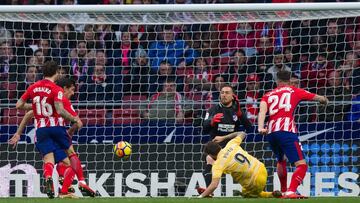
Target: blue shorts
[(286, 143), (53, 139)]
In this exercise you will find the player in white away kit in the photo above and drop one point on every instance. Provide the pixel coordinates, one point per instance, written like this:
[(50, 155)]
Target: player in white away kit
[(282, 133)]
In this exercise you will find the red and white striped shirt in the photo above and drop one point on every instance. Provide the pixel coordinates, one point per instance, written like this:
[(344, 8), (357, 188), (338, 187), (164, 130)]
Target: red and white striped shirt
[(281, 103), (68, 107), (44, 94)]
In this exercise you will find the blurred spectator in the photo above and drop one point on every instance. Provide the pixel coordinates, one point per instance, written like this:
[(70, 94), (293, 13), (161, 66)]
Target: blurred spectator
[(98, 87), (252, 96), (123, 52), (170, 49), (11, 66), (335, 40), (102, 60), (5, 35), (21, 48), (218, 82), (80, 60), (274, 31), (166, 105), (60, 43), (264, 54), (313, 75), (243, 37), (44, 45), (278, 66), (355, 81), (104, 34), (292, 60), (137, 35), (205, 38), (356, 48), (317, 46), (336, 93), (30, 78), (64, 72), (165, 72), (182, 80), (237, 72), (355, 109), (262, 60), (301, 32), (140, 73), (89, 36), (200, 75), (350, 72), (40, 59)]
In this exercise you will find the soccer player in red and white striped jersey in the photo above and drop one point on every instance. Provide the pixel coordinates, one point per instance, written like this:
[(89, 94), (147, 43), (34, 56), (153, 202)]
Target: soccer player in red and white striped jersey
[(49, 113), (281, 129), (69, 87)]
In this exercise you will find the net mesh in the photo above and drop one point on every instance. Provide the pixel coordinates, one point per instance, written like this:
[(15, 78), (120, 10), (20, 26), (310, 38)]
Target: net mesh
[(148, 78)]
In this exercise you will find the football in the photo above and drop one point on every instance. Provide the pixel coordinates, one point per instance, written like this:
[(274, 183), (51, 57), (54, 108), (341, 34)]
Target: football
[(122, 149)]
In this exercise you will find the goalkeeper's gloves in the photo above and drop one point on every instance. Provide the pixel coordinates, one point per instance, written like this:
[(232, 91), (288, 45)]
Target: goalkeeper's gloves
[(237, 101), (216, 119)]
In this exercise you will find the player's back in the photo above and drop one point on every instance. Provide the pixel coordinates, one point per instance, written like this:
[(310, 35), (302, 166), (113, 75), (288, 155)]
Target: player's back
[(43, 94), (281, 103), (236, 161)]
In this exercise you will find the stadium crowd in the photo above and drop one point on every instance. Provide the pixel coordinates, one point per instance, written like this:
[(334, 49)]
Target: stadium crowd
[(180, 68)]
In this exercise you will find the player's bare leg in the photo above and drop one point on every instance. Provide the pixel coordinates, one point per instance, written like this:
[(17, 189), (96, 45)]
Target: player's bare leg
[(296, 179), (48, 171), (76, 165)]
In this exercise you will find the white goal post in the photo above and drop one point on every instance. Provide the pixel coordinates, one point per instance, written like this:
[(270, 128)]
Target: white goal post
[(198, 47)]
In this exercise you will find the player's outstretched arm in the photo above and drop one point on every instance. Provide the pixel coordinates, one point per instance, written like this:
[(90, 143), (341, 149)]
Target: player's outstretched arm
[(212, 187), (230, 136), (261, 118), (22, 105), (322, 99), (15, 139)]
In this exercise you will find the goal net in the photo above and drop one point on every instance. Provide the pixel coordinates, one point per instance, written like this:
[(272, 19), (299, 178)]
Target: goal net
[(147, 75)]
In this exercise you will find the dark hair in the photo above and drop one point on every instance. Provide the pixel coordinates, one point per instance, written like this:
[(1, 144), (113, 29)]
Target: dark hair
[(125, 28), (168, 27), (38, 50), (19, 31), (227, 85), (166, 62), (219, 76), (323, 54), (212, 148), (284, 75), (170, 80), (100, 50), (50, 68), (239, 51), (66, 82)]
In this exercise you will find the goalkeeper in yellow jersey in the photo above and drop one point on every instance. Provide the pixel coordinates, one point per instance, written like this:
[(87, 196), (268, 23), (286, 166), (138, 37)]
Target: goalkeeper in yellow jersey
[(245, 169)]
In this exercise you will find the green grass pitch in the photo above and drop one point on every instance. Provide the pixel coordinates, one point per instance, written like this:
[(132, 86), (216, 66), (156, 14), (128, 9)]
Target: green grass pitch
[(180, 200)]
